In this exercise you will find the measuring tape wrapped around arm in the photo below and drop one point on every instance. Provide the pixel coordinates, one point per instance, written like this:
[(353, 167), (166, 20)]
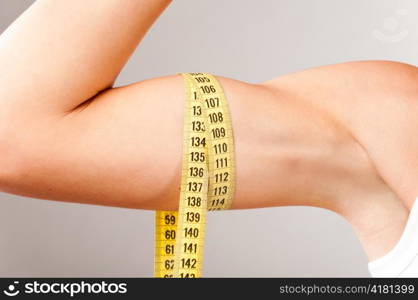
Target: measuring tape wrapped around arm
[(207, 178)]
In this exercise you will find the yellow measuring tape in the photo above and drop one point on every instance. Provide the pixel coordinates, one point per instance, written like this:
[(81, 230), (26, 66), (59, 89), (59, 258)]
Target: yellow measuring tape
[(207, 179)]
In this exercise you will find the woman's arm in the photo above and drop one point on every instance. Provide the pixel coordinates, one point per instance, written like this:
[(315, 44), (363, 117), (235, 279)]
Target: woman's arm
[(124, 149), (56, 145), (290, 149)]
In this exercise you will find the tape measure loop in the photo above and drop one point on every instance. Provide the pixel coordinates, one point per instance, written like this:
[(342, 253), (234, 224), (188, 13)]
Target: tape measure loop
[(207, 179)]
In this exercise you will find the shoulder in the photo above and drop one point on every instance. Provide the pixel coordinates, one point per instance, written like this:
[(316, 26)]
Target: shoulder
[(378, 74), (360, 87)]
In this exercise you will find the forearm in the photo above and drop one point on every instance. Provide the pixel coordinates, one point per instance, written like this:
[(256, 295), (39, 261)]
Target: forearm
[(57, 54)]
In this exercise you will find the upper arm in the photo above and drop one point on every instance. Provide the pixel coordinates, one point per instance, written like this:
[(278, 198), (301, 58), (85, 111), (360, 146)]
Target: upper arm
[(123, 148)]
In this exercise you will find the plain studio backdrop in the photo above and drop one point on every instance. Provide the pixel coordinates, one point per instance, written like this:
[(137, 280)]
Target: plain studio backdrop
[(247, 40)]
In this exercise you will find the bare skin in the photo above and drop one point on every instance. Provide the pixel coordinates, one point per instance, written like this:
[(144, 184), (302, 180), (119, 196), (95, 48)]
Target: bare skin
[(339, 137)]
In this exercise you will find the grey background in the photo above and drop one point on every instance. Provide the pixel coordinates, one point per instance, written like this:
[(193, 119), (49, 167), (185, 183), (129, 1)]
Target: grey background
[(258, 40)]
